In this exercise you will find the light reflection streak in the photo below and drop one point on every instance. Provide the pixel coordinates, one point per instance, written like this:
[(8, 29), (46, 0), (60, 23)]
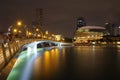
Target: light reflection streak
[(93, 55), (47, 61), (23, 66), (28, 67), (28, 51), (63, 54), (37, 68), (35, 48), (51, 61)]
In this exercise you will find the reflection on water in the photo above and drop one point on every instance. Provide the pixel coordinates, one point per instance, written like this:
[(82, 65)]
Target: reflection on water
[(78, 63), (49, 63)]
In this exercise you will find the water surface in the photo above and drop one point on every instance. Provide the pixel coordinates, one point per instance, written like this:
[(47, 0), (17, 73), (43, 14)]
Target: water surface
[(78, 63)]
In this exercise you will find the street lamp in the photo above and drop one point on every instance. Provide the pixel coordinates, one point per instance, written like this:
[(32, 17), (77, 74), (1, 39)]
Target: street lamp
[(30, 33), (23, 28), (37, 29), (46, 32), (38, 35), (19, 23), (19, 31), (15, 30)]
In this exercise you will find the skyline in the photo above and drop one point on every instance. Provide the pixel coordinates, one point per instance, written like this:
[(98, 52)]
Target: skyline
[(59, 16)]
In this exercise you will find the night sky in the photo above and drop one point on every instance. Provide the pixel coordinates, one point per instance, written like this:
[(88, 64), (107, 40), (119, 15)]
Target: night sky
[(59, 16)]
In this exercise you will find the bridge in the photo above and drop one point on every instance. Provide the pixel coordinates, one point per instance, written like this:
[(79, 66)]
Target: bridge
[(25, 51)]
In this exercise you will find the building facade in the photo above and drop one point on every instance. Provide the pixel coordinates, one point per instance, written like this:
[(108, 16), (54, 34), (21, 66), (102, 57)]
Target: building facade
[(112, 29), (87, 34)]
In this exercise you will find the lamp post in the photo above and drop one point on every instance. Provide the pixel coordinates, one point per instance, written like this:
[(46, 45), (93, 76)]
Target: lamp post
[(23, 29), (38, 33), (18, 30)]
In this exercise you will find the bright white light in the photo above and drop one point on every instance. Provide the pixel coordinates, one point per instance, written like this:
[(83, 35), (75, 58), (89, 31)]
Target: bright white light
[(35, 48), (74, 37), (119, 27), (118, 42), (88, 36), (93, 42), (28, 68), (28, 51)]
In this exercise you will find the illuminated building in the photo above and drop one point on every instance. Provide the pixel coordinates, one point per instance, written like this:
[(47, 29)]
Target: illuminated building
[(117, 31), (59, 38), (112, 29), (87, 34)]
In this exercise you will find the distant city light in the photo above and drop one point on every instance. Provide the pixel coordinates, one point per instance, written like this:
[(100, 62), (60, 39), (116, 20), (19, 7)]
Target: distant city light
[(46, 32), (106, 23), (19, 31), (9, 29)]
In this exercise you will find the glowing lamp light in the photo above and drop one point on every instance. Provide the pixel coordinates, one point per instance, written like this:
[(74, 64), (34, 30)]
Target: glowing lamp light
[(46, 32), (19, 23), (38, 35), (118, 42), (15, 30), (37, 29), (44, 36), (30, 33), (19, 31)]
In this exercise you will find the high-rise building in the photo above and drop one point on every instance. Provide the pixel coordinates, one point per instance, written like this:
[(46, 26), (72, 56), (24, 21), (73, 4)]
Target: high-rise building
[(39, 16), (112, 29), (80, 22), (117, 31), (38, 23)]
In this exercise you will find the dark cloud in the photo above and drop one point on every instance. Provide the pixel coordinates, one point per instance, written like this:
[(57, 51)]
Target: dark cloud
[(60, 15)]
